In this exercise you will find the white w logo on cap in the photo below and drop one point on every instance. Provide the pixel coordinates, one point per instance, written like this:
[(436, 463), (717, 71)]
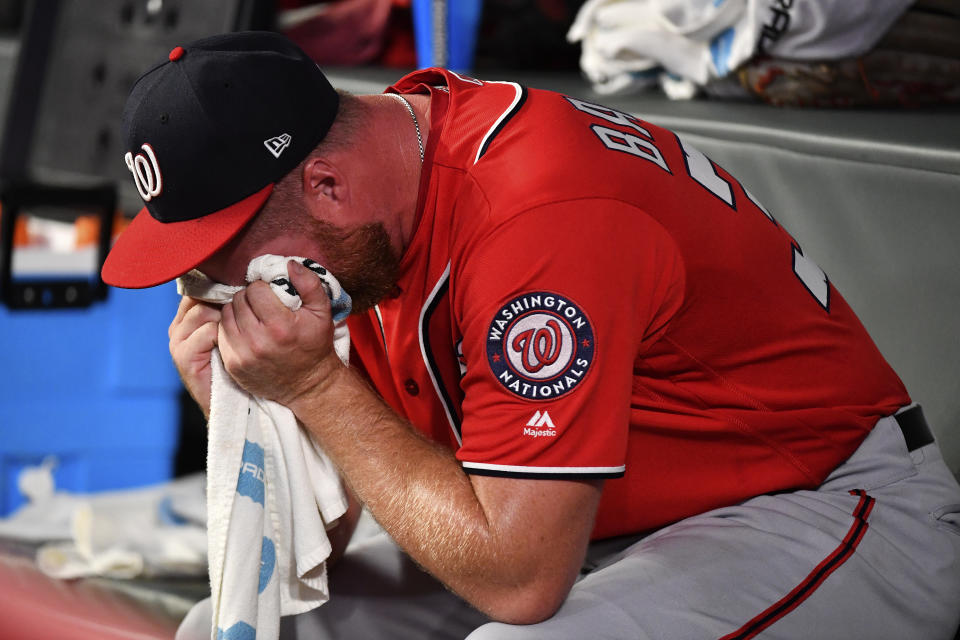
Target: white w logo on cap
[(146, 172), (277, 144)]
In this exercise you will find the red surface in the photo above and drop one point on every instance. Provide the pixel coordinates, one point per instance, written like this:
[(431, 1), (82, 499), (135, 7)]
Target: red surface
[(34, 606)]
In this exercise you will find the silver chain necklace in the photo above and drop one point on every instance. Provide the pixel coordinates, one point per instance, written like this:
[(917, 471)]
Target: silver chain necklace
[(416, 123)]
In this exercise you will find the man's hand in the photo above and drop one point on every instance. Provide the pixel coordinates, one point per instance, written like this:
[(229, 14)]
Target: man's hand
[(193, 335), (275, 353)]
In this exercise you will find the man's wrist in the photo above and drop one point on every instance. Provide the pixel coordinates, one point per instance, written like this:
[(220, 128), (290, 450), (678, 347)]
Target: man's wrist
[(327, 377)]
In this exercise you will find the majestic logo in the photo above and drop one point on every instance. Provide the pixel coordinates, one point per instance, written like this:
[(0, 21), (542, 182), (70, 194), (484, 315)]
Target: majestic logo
[(540, 425), (541, 420), (540, 345), (277, 144), (146, 172)]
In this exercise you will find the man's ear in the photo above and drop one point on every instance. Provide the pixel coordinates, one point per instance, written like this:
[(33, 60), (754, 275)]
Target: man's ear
[(324, 188)]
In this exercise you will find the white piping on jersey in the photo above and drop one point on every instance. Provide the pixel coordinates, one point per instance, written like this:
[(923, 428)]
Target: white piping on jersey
[(383, 332), (522, 469), (516, 99), (465, 78), (423, 351)]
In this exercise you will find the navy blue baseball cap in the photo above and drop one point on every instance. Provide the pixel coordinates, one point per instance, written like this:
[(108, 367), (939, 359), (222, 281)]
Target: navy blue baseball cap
[(208, 133)]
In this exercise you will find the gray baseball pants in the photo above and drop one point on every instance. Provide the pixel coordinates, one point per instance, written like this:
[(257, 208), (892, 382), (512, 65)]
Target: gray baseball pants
[(873, 553)]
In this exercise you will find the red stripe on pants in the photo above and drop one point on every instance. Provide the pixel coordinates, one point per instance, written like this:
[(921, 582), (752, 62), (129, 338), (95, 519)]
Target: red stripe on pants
[(816, 577)]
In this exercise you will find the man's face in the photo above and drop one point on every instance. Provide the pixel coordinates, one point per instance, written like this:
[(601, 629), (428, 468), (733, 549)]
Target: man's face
[(361, 257)]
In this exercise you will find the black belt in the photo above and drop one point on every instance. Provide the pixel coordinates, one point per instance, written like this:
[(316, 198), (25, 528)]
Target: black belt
[(916, 433)]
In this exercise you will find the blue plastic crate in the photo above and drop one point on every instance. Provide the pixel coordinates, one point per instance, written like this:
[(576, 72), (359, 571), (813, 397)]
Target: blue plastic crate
[(94, 388)]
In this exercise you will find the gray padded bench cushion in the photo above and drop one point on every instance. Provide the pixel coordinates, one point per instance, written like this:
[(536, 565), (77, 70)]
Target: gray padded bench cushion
[(872, 196)]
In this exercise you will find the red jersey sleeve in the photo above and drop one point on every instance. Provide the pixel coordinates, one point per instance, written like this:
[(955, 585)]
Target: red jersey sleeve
[(554, 303)]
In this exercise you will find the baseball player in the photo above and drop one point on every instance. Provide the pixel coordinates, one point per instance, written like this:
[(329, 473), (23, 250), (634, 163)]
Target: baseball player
[(576, 337)]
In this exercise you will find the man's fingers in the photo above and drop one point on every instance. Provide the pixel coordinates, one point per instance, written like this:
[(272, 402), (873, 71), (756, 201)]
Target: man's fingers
[(186, 305), (244, 317), (228, 324), (309, 286), (229, 339), (223, 341), (190, 316), (264, 303), (203, 339)]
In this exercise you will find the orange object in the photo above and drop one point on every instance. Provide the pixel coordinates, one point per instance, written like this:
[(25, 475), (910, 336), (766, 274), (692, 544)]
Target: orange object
[(88, 229), (21, 237), (87, 226)]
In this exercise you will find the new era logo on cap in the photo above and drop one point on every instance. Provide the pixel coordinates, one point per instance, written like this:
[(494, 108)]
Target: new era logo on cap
[(277, 144)]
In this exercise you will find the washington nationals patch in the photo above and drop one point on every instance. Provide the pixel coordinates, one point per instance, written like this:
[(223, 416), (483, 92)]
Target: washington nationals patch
[(540, 345)]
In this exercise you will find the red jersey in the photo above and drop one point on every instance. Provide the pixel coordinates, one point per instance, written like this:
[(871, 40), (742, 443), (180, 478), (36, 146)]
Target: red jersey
[(587, 295)]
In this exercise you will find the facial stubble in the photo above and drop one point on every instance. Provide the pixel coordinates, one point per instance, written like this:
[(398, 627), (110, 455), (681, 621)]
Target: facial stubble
[(363, 260)]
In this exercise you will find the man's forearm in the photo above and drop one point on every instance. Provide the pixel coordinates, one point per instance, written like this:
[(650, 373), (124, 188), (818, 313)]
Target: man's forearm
[(420, 495), (414, 488)]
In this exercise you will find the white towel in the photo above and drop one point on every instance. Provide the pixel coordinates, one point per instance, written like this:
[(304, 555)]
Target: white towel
[(271, 492), (632, 44)]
